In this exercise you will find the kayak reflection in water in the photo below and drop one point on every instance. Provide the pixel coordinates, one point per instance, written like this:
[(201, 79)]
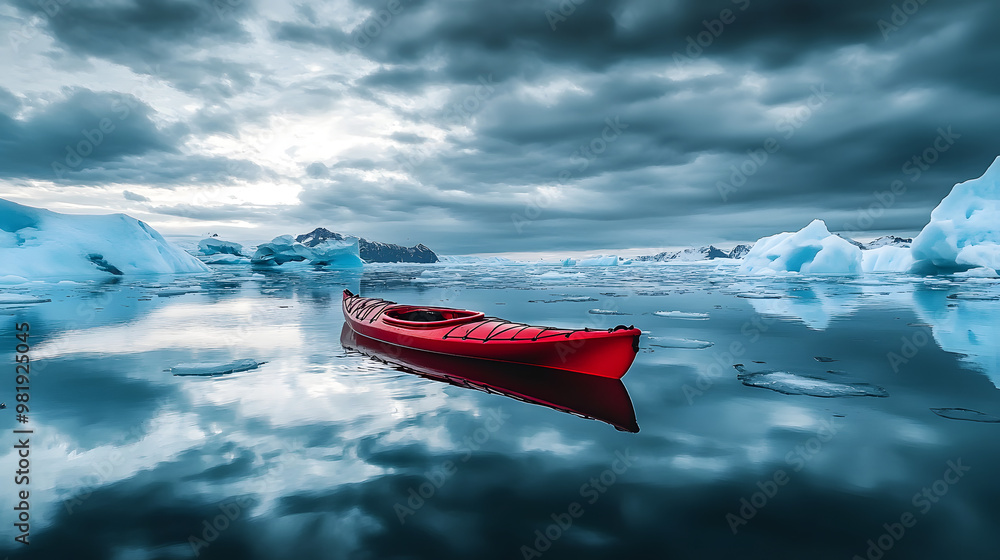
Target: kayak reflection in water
[(587, 396)]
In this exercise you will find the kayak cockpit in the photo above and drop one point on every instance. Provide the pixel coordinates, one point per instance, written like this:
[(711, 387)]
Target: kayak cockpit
[(423, 317)]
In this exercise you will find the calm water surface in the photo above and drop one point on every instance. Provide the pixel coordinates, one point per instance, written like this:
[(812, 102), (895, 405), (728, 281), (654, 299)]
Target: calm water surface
[(864, 423)]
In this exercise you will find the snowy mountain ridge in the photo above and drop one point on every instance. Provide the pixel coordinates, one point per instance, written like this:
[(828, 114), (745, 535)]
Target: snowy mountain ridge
[(700, 254), (373, 251), (884, 241)]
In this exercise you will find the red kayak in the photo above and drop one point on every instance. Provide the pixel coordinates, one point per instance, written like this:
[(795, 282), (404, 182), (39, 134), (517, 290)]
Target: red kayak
[(459, 332)]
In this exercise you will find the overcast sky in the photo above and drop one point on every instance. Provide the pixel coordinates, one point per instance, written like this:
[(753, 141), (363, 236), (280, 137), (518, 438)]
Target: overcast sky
[(494, 126)]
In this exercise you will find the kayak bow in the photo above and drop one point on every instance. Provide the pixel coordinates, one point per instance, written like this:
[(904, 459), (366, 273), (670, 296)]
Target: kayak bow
[(459, 332)]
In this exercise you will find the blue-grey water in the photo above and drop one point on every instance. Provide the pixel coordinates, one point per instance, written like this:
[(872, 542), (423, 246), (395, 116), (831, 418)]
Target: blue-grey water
[(862, 421)]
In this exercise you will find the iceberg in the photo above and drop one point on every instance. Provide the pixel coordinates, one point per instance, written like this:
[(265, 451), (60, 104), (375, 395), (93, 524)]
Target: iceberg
[(887, 258), (964, 231), (216, 246), (811, 250), (331, 253), (39, 243)]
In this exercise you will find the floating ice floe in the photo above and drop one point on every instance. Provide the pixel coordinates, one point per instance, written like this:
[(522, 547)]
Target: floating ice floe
[(681, 315), (209, 369), (688, 343), (223, 258), (975, 296), (978, 272), (571, 299), (330, 253), (829, 386), (179, 291), (21, 299), (811, 250), (965, 414), (38, 243)]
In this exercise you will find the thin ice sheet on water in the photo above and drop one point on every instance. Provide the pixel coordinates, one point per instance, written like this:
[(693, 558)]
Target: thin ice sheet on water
[(688, 343), (21, 299), (681, 315), (789, 383), (207, 369), (965, 414)]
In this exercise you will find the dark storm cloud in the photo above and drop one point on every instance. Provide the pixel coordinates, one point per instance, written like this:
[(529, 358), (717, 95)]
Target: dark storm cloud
[(104, 137), (162, 38), (890, 81), (598, 35), (9, 103), (525, 91), (142, 32), (87, 129)]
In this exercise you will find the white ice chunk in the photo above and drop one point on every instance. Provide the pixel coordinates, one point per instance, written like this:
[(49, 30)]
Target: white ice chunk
[(38, 243), (964, 231), (215, 246), (672, 342), (979, 272), (681, 315), (828, 386), (606, 312), (811, 250), (887, 259), (222, 258), (331, 253)]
